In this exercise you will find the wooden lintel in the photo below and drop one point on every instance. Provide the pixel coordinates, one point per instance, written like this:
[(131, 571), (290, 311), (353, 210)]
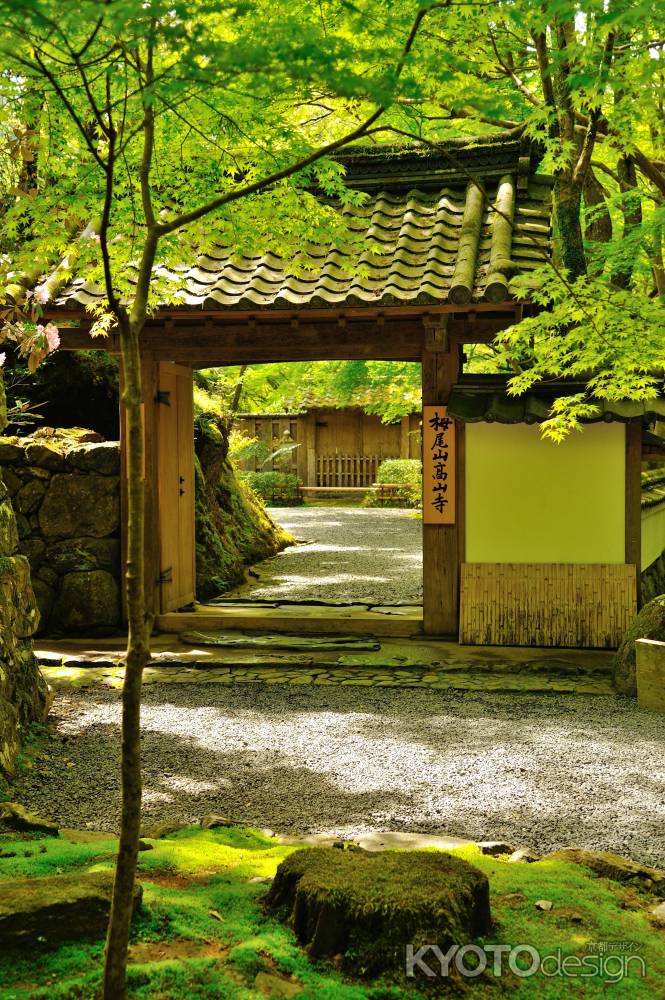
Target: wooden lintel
[(207, 343)]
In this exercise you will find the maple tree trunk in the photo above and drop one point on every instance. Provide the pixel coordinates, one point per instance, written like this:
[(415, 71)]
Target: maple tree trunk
[(138, 653), (568, 204)]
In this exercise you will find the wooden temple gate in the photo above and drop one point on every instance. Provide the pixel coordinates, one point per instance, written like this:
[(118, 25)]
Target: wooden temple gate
[(449, 229), (174, 346)]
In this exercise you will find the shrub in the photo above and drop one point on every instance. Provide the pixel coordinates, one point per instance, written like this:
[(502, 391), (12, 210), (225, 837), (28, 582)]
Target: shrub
[(408, 474), (278, 488)]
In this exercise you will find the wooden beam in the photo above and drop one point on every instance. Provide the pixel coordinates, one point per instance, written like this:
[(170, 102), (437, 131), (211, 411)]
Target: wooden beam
[(440, 541), (404, 441), (77, 314), (461, 495), (292, 619), (226, 342), (634, 499), (309, 445)]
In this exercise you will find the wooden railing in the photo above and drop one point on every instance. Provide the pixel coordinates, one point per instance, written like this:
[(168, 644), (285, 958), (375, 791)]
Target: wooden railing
[(347, 470)]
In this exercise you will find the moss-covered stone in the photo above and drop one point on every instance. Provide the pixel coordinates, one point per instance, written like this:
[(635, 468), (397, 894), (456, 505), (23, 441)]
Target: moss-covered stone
[(87, 602), (8, 529), (614, 867), (233, 528), (652, 580), (85, 505), (81, 554), (10, 450), (18, 611), (45, 456), (103, 458), (45, 598), (29, 497), (24, 694), (649, 624), (56, 908), (367, 906)]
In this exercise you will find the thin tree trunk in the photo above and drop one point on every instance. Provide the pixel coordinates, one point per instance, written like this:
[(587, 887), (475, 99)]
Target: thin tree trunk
[(138, 653), (237, 392)]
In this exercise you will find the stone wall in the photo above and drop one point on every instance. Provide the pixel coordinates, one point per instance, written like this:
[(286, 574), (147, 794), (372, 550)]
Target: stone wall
[(65, 489), (24, 695), (64, 485)]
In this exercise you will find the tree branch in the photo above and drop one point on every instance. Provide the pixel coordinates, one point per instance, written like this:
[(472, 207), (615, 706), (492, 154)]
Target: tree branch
[(186, 218)]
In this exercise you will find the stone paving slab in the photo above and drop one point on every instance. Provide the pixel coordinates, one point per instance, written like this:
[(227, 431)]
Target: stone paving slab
[(423, 664)]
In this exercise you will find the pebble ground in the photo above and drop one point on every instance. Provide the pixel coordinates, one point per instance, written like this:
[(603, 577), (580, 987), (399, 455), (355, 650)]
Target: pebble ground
[(370, 555), (543, 771)]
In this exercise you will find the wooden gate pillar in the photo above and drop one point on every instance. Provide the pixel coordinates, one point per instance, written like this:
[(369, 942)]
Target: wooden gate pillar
[(441, 542)]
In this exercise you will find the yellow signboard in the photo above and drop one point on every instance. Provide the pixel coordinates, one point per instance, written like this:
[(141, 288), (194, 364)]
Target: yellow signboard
[(439, 468)]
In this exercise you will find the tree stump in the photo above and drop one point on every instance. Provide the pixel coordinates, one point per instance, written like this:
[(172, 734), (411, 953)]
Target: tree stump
[(368, 905)]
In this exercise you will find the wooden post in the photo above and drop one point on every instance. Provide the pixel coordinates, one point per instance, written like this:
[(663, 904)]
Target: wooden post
[(440, 370), (309, 444), (404, 437), (301, 450), (634, 499)]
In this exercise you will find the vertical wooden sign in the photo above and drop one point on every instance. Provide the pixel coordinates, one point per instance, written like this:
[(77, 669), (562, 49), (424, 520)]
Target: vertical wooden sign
[(439, 466)]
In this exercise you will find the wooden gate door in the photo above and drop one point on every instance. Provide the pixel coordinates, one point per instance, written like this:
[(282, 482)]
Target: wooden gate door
[(175, 419)]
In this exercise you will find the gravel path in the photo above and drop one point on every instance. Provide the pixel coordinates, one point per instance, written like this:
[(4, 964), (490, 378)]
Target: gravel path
[(352, 554), (543, 771)]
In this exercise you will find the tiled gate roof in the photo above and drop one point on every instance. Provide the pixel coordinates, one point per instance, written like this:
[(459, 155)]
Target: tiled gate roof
[(429, 216)]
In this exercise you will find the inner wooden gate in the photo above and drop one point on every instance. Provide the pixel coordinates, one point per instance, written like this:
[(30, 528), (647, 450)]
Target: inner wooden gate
[(175, 453)]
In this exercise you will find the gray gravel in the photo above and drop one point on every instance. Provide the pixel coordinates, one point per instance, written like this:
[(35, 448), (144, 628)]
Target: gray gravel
[(352, 554), (543, 771)]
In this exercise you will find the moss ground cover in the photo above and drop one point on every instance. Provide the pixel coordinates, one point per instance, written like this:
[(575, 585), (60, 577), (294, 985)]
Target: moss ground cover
[(203, 933)]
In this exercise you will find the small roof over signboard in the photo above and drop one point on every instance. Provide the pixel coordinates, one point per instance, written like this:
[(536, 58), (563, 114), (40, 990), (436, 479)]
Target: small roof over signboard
[(486, 398), (449, 225)]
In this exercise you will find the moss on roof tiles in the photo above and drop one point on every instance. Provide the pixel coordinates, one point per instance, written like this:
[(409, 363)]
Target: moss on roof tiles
[(422, 212)]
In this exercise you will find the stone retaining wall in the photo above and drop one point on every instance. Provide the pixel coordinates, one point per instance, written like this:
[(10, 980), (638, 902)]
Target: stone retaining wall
[(24, 695), (65, 489)]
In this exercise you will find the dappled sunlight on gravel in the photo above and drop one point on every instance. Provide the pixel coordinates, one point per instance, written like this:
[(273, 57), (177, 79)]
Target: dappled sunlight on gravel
[(348, 554), (536, 770)]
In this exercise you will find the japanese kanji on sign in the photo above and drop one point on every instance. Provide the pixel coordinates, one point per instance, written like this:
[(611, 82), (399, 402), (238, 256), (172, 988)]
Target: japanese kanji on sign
[(438, 466)]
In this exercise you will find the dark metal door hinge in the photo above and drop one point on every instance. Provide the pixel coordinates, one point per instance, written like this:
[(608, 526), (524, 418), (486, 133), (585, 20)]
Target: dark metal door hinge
[(163, 397), (166, 576)]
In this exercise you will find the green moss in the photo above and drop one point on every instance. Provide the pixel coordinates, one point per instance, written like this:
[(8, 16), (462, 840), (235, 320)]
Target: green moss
[(367, 904), (202, 876), (233, 528), (648, 624)]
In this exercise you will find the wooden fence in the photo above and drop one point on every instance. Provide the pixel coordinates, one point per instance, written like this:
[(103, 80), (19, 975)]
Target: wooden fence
[(347, 470)]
